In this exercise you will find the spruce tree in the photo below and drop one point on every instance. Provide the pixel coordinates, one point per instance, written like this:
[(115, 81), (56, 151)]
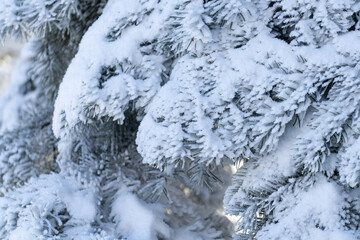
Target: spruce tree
[(124, 120)]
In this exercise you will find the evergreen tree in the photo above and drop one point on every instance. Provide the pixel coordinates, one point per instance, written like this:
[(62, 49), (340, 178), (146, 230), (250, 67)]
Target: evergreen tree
[(124, 119)]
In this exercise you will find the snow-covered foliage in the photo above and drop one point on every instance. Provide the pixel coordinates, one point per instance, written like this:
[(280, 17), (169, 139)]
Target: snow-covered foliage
[(124, 118)]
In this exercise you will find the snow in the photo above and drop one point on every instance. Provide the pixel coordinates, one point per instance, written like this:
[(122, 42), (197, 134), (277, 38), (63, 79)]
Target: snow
[(305, 214), (350, 164), (75, 94), (279, 163), (40, 200), (247, 72), (135, 219), (205, 92), (80, 204)]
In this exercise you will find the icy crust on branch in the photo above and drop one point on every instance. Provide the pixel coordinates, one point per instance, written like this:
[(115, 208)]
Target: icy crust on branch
[(110, 72)]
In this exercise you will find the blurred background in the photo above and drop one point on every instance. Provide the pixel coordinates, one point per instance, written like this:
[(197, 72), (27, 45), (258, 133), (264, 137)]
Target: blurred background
[(9, 53)]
